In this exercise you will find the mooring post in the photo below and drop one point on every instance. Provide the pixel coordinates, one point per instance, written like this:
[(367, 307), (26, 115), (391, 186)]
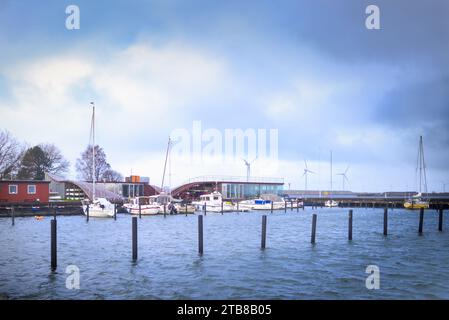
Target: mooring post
[(140, 211), (13, 215), (221, 206), (313, 228), (271, 206), (115, 211), (440, 220), (204, 208), (200, 234), (285, 206), (350, 225), (385, 221), (87, 213), (297, 205), (134, 238), (53, 245), (264, 231), (54, 212), (165, 210), (186, 209), (291, 205), (237, 206), (421, 220), (304, 205)]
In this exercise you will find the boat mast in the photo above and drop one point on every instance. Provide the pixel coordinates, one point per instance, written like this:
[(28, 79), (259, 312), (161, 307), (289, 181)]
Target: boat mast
[(422, 166), (331, 176), (93, 151), (165, 165)]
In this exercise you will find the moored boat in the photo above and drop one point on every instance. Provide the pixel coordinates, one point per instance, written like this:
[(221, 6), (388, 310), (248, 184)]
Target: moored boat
[(417, 201), (331, 203), (213, 202), (98, 207), (143, 206)]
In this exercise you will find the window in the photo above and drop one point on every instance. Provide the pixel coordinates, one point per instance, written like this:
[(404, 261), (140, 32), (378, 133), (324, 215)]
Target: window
[(31, 189), (12, 189)]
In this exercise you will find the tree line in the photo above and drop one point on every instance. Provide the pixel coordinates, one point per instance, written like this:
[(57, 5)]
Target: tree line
[(22, 162)]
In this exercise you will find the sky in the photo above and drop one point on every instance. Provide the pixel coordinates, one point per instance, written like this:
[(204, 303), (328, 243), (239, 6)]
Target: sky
[(308, 70)]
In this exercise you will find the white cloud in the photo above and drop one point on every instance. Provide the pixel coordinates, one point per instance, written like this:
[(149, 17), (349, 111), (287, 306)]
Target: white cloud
[(136, 90)]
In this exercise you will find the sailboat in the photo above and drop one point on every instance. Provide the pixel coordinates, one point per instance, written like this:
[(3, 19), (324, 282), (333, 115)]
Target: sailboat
[(99, 207), (331, 203), (417, 201)]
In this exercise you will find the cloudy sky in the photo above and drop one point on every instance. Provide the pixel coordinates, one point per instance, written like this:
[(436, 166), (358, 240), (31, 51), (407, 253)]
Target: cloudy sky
[(310, 69)]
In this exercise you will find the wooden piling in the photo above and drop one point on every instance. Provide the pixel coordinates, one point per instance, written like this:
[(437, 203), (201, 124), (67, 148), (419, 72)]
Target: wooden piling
[(350, 226), (115, 211), (140, 211), (200, 234), (13, 215), (313, 228), (297, 205), (385, 221), (285, 206), (54, 212), (237, 207), (222, 207), (421, 220), (271, 206), (134, 238), (264, 231), (291, 205), (205, 208), (186, 209), (87, 213), (440, 220), (165, 210), (53, 248)]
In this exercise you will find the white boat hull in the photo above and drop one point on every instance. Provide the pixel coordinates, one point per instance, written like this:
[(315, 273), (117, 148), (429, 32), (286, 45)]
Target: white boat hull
[(144, 211), (99, 213), (214, 208)]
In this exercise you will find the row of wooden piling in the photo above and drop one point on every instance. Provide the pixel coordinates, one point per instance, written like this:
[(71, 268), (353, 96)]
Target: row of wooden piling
[(263, 233), (314, 224)]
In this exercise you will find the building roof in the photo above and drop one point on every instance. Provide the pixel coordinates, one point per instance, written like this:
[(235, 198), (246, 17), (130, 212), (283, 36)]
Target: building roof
[(24, 181), (100, 190)]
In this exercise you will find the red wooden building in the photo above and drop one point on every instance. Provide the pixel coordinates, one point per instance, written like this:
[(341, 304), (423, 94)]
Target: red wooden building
[(18, 191)]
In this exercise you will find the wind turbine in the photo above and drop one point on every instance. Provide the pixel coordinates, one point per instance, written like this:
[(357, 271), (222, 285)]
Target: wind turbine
[(248, 167), (305, 174), (344, 177)]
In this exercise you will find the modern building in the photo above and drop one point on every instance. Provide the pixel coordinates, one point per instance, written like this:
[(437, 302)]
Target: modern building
[(64, 189), (19, 191), (231, 187)]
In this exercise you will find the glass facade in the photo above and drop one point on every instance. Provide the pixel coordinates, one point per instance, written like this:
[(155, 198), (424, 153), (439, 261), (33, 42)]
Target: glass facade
[(248, 190), (132, 190)]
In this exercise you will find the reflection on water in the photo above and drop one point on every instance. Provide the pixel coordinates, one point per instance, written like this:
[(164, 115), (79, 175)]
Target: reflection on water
[(233, 266)]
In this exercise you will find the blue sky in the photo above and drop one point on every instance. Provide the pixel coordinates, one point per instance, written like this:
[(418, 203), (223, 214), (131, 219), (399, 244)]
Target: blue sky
[(309, 69)]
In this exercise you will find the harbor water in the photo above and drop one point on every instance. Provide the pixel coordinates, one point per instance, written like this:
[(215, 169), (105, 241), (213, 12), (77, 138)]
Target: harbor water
[(233, 266)]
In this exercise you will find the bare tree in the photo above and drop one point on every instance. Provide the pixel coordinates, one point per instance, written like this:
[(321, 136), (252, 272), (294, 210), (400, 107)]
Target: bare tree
[(57, 164), (40, 159), (111, 175), (103, 169), (11, 152)]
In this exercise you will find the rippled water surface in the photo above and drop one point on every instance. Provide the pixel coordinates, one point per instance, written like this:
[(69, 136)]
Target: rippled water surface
[(233, 266)]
